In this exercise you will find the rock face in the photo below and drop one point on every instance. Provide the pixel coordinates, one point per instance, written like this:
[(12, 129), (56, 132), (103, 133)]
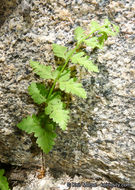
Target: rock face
[(100, 140), (6, 8)]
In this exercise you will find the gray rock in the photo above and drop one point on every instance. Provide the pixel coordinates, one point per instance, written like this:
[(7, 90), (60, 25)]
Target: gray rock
[(99, 142)]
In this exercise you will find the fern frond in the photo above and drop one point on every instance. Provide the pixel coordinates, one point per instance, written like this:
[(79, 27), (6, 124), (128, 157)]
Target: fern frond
[(79, 58), (97, 41), (55, 73), (108, 31), (65, 76), (79, 33), (75, 88), (59, 51), (93, 42), (56, 111), (43, 71), (105, 28), (102, 39), (3, 181), (69, 53), (94, 26), (45, 135), (38, 92)]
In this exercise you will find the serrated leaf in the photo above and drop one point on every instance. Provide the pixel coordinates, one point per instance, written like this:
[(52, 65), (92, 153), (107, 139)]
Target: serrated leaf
[(105, 28), (102, 39), (56, 111), (79, 33), (69, 53), (107, 22), (38, 92), (3, 181), (79, 58), (44, 133), (97, 41), (70, 86), (59, 51), (43, 71), (92, 42), (55, 73), (65, 76), (94, 26), (108, 31)]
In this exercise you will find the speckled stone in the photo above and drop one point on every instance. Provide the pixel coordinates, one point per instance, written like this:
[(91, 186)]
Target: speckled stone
[(64, 182), (100, 139), (6, 8)]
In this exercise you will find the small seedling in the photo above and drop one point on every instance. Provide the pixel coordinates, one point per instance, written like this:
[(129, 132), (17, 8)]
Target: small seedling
[(61, 83)]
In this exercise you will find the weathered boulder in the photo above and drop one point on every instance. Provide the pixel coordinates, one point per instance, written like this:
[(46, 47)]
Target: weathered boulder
[(100, 139)]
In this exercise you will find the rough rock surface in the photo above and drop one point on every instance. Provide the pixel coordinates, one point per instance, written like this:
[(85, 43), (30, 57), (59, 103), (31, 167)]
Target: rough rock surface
[(64, 182), (100, 139), (6, 8)]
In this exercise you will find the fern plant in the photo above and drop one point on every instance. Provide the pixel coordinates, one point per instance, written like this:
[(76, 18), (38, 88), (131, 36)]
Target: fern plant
[(61, 81), (3, 181)]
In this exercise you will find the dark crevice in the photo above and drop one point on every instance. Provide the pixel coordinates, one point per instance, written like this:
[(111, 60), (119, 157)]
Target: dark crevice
[(6, 9), (17, 175)]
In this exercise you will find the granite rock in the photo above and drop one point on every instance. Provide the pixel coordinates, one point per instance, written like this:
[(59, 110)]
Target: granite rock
[(100, 139)]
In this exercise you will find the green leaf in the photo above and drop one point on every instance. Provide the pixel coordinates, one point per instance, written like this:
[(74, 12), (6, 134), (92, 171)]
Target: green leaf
[(108, 31), (38, 92), (107, 22), (55, 73), (65, 75), (59, 51), (69, 86), (69, 53), (56, 111), (3, 181), (43, 71), (79, 58), (102, 39), (43, 131), (94, 26), (92, 42), (79, 33), (105, 28), (97, 41)]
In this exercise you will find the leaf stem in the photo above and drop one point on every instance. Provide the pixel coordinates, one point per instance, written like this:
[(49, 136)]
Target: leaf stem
[(67, 60)]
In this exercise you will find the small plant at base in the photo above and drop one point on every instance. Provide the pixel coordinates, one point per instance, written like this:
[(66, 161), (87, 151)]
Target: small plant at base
[(55, 112), (3, 181)]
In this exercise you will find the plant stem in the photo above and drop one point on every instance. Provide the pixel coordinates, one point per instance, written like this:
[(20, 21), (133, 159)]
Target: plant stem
[(67, 60)]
